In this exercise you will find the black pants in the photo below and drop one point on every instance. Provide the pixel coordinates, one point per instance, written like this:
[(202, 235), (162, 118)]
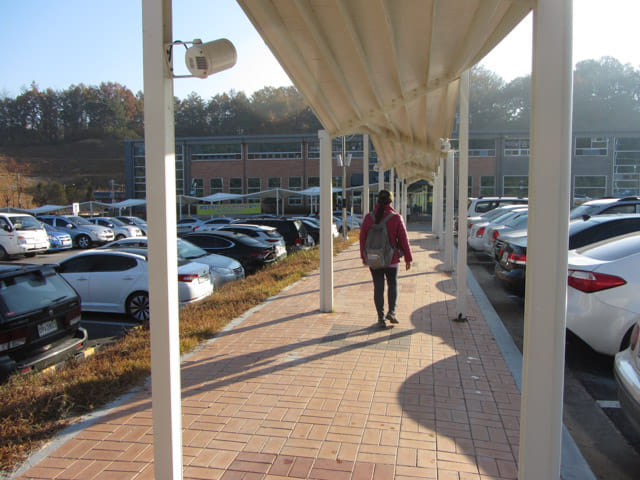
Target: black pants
[(379, 275)]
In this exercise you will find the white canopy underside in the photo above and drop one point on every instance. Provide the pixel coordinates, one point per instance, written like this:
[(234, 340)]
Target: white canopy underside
[(387, 68)]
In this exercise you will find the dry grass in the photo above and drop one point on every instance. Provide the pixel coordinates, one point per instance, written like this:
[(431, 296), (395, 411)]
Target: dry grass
[(35, 407)]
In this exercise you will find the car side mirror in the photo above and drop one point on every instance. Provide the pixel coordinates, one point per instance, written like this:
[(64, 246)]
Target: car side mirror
[(70, 225), (7, 228)]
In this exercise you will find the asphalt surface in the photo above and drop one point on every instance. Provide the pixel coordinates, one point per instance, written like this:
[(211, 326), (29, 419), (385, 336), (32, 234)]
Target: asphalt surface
[(591, 411)]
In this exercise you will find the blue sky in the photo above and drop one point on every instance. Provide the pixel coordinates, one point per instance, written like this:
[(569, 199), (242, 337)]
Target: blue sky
[(65, 42)]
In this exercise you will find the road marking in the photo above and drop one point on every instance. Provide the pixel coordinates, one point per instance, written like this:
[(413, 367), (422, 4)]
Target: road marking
[(608, 403)]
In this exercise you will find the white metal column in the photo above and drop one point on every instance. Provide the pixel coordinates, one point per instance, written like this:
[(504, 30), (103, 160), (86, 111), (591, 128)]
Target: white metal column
[(326, 219), (448, 221), (160, 167), (405, 189), (441, 205), (463, 184), (546, 277), (365, 175)]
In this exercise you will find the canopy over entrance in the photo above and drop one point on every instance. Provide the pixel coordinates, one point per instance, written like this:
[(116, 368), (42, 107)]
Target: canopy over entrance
[(388, 68)]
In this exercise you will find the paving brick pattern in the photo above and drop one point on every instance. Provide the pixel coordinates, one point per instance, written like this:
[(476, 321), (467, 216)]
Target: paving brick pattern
[(292, 393)]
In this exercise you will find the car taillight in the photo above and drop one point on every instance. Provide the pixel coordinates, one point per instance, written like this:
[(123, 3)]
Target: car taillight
[(260, 254), (195, 227), (635, 333), (480, 232), (495, 235), (517, 258), (272, 240), (72, 317), (13, 338), (589, 282), (298, 241), (187, 277)]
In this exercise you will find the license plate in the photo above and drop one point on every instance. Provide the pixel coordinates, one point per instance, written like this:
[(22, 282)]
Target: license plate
[(46, 328)]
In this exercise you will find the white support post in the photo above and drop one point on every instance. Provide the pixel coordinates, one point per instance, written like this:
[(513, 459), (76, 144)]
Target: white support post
[(434, 201), (441, 174), (392, 182), (463, 184), (326, 219), (405, 188), (365, 176), (448, 242), (160, 167), (546, 275)]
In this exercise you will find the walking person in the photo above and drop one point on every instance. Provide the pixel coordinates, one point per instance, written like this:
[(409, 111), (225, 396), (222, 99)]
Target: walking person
[(384, 213)]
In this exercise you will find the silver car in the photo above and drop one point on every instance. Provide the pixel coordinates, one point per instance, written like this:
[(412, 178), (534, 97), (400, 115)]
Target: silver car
[(84, 233), (120, 229)]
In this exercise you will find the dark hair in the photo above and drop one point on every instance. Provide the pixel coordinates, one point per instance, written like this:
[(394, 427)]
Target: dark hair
[(385, 197)]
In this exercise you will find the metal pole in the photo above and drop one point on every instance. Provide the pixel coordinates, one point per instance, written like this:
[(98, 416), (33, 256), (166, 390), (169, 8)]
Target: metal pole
[(546, 275), (365, 176), (326, 219), (160, 166), (344, 188), (448, 243), (461, 299)]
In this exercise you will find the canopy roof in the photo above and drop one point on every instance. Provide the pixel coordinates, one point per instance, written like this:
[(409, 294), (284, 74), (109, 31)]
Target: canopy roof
[(387, 68)]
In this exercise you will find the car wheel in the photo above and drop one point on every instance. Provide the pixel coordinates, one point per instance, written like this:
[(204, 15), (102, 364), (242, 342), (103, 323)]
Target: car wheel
[(83, 241), (119, 236), (30, 254), (3, 254), (137, 306)]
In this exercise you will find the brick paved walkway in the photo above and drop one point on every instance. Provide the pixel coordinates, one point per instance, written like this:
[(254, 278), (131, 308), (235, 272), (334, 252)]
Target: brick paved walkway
[(290, 392)]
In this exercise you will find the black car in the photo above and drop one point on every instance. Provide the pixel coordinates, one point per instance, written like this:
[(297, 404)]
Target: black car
[(510, 252), (39, 318), (293, 231), (251, 253)]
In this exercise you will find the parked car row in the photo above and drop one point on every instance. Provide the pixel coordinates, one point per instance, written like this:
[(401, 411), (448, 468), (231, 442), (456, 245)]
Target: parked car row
[(603, 278)]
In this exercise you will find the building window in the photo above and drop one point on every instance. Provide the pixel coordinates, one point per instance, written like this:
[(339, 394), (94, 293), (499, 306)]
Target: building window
[(235, 185), (586, 187), (216, 151), (487, 186), (516, 186), (253, 184), (313, 182), (180, 187), (478, 147), (592, 145), (274, 182), (626, 167), (516, 147), (197, 187), (470, 186), (215, 185), (295, 183), (275, 151), (336, 182)]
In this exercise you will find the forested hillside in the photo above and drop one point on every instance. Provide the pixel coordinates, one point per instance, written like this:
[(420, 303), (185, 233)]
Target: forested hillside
[(71, 141)]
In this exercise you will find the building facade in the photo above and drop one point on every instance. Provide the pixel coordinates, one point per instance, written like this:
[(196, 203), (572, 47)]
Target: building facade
[(603, 164)]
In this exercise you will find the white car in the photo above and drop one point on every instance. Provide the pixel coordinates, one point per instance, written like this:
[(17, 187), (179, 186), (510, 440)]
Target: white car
[(626, 369), (120, 229), (518, 221), (118, 281), (223, 269), (475, 238), (602, 294)]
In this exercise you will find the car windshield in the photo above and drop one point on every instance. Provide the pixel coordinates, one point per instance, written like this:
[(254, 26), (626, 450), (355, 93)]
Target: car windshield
[(25, 222), (79, 220), (32, 291), (189, 250), (116, 222), (583, 210)]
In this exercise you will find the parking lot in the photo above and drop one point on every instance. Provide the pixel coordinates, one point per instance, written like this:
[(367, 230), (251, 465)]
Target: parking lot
[(591, 410)]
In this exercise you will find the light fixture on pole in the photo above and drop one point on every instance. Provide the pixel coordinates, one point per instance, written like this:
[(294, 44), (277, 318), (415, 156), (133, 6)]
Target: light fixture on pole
[(344, 164), (204, 59)]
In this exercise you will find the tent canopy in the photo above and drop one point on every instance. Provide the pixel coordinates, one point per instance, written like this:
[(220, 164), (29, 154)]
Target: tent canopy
[(388, 68)]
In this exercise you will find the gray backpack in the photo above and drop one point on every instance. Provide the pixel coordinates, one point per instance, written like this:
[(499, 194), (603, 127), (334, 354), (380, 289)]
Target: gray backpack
[(378, 250)]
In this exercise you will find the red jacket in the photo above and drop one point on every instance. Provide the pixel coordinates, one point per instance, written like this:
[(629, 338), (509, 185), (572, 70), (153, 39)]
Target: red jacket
[(397, 234)]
